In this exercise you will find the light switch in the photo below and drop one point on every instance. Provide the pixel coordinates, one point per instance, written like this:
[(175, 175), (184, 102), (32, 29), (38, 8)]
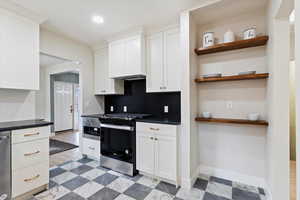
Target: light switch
[(166, 109), (125, 108), (111, 109)]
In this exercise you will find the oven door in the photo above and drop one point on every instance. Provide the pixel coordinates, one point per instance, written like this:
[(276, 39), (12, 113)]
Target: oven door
[(118, 142)]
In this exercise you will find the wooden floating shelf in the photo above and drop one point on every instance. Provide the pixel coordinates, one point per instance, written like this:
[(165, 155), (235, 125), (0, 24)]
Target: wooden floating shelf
[(240, 44), (232, 121), (233, 78)]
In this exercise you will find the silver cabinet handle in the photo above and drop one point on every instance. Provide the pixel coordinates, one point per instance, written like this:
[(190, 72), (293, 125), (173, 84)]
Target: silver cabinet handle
[(91, 148), (127, 128), (4, 137)]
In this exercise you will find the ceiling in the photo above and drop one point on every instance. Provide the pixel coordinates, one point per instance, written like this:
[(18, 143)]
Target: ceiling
[(72, 18), (226, 8)]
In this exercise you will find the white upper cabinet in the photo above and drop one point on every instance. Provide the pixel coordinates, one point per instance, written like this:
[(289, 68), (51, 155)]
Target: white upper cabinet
[(126, 57), (104, 84), (19, 58), (163, 61), (155, 65)]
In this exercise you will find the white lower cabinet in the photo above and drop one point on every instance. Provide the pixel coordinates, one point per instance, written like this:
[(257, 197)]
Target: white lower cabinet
[(30, 160), (91, 148), (156, 147), (29, 178)]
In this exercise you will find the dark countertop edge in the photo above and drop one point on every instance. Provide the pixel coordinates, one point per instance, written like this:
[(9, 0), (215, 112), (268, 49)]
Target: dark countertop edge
[(92, 115), (158, 121), (16, 125)]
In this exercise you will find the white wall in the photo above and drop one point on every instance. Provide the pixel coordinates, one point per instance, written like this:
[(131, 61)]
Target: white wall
[(16, 105), (278, 100), (56, 45)]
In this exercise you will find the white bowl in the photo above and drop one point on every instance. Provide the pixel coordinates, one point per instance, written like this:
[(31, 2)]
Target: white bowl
[(247, 73), (206, 114), (212, 75), (253, 116)]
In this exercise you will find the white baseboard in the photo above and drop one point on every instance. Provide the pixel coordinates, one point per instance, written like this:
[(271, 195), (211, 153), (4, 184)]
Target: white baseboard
[(234, 176), (188, 183)]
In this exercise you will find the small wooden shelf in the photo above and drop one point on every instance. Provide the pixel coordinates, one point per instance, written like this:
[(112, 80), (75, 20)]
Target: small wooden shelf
[(240, 44), (233, 78), (232, 121)]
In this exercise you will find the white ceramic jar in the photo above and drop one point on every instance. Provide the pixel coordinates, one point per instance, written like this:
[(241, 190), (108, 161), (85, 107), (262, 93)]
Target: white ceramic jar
[(250, 33), (208, 39), (229, 37)]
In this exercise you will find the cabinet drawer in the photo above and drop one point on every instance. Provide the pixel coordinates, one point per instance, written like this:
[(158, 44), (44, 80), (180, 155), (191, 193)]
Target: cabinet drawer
[(25, 135), (29, 178), (30, 153), (91, 147), (159, 129)]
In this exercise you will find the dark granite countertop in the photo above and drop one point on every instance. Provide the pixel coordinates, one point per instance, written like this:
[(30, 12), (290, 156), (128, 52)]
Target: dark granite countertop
[(14, 125), (152, 119), (93, 115), (159, 120)]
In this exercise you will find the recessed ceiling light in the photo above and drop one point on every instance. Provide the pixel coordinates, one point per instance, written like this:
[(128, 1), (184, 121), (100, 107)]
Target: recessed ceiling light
[(292, 17), (98, 19)]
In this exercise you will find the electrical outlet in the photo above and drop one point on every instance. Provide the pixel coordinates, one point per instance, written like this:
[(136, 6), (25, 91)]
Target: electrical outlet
[(229, 104), (125, 109), (166, 109), (111, 109)]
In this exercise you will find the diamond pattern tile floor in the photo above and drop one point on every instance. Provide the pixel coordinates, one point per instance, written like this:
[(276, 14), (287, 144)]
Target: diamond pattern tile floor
[(85, 179)]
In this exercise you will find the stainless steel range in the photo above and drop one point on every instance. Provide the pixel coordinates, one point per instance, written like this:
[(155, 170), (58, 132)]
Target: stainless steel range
[(118, 142)]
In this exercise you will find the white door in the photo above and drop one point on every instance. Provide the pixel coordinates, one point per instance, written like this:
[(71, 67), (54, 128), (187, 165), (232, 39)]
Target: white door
[(76, 115), (63, 102), (145, 153), (172, 65), (132, 56), (116, 58), (165, 157), (155, 63)]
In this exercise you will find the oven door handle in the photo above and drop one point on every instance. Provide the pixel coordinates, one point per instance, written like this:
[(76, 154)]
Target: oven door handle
[(127, 128)]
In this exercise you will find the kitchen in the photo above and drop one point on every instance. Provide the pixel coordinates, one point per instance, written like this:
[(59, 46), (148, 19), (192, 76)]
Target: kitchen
[(144, 98)]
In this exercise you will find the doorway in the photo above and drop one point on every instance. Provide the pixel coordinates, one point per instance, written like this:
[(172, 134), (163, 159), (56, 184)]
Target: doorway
[(65, 92), (60, 100)]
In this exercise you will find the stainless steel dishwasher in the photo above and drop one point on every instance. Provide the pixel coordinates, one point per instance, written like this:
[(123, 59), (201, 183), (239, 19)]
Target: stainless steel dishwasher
[(5, 166)]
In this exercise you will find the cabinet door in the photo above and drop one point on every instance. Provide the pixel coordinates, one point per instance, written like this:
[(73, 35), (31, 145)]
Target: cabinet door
[(101, 72), (132, 56), (91, 147), (116, 58), (145, 153), (165, 154), (155, 63), (172, 61), (19, 58)]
